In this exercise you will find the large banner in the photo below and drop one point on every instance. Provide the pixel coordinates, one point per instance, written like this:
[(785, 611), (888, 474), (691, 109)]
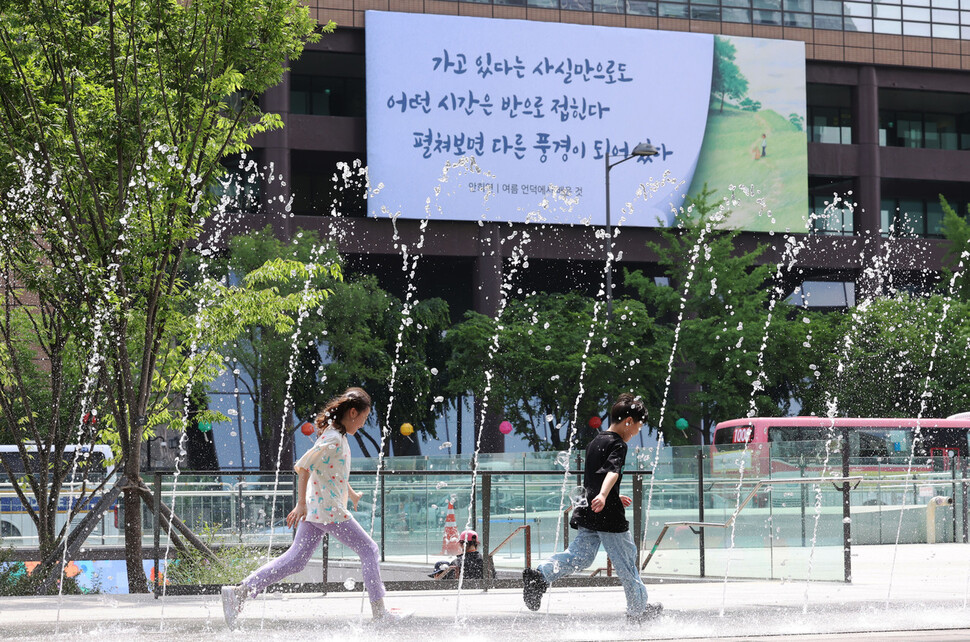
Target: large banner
[(538, 106)]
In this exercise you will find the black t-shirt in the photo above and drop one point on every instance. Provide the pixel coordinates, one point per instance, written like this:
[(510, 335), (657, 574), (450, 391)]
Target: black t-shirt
[(605, 454), (474, 566)]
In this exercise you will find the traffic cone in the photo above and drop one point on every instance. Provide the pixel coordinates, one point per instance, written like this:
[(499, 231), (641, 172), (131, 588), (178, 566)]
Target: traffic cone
[(449, 544)]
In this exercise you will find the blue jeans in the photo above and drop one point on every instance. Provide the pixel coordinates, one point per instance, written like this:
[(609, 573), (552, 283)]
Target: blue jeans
[(581, 553)]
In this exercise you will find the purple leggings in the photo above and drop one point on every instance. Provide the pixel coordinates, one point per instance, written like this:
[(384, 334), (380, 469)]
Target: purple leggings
[(308, 536)]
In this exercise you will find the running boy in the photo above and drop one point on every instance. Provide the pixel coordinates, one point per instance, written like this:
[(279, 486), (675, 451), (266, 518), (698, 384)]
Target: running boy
[(603, 521)]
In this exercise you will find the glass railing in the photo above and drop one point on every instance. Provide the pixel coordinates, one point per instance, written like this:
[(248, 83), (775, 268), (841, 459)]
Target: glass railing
[(786, 529)]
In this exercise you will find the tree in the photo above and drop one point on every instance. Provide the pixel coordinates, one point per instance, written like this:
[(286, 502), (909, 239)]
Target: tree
[(727, 78), (735, 360), (798, 122), (555, 364), (276, 369), (914, 347), (956, 231), (114, 120), (363, 324), (750, 105)]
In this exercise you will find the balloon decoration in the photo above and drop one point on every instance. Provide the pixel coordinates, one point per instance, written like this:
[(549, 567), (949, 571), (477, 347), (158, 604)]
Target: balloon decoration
[(505, 427), (595, 423), (307, 428), (407, 430), (681, 424)]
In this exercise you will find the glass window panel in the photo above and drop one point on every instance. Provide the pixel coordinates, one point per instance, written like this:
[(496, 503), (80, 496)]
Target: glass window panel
[(916, 29), (887, 1), (543, 4), (641, 8), (934, 219), (887, 211), (705, 13), (946, 4), (910, 221), (576, 5), (946, 16), (965, 17), (798, 5), (798, 20), (858, 24), (831, 7), (828, 22), (714, 2), (965, 4), (916, 3), (913, 13), (887, 26), (946, 31), (608, 6), (965, 33), (887, 13), (767, 17), (668, 10), (773, 4), (909, 129), (744, 4), (736, 15), (861, 9)]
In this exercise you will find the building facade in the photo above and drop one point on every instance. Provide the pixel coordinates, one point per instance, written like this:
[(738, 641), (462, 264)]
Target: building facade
[(888, 126)]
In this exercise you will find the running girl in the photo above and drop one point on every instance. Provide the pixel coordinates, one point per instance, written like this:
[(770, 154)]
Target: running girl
[(324, 488)]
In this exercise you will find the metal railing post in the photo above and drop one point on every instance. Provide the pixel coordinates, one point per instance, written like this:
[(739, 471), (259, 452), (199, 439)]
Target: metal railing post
[(486, 523), (637, 512), (380, 482), (157, 530), (700, 509), (953, 494), (963, 492), (846, 509)]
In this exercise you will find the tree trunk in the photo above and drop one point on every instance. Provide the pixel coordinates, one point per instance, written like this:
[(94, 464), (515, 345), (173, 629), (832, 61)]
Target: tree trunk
[(137, 582)]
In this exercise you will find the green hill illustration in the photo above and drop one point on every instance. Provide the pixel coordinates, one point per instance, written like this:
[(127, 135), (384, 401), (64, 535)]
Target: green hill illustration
[(754, 146)]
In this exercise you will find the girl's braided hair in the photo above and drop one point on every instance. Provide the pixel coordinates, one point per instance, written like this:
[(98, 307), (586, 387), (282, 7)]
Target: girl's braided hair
[(333, 413)]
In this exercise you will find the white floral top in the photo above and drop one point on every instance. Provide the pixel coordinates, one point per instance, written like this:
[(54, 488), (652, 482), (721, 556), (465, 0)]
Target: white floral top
[(328, 463)]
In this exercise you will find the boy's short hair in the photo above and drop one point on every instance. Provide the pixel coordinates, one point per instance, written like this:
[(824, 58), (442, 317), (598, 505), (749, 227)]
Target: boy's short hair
[(628, 406)]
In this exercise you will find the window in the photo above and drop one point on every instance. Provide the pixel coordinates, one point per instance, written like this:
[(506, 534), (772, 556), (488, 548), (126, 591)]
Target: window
[(829, 114), (914, 218), (903, 123), (328, 84), (319, 187)]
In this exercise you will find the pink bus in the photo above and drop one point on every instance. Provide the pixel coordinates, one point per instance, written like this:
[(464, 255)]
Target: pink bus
[(764, 446)]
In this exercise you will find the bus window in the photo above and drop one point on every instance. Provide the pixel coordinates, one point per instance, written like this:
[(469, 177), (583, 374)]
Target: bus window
[(797, 441), (733, 438)]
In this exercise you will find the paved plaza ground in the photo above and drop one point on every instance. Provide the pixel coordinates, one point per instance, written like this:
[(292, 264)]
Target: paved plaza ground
[(927, 600)]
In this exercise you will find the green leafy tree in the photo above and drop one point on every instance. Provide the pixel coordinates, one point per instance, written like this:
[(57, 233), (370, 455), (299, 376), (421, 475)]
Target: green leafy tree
[(956, 231), (275, 367), (750, 105), (114, 120), (914, 347), (543, 374), (363, 323), (727, 81), (798, 122), (724, 299)]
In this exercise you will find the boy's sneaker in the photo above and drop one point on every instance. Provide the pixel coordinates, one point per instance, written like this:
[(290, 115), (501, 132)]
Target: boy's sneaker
[(652, 612), (232, 603), (533, 586)]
